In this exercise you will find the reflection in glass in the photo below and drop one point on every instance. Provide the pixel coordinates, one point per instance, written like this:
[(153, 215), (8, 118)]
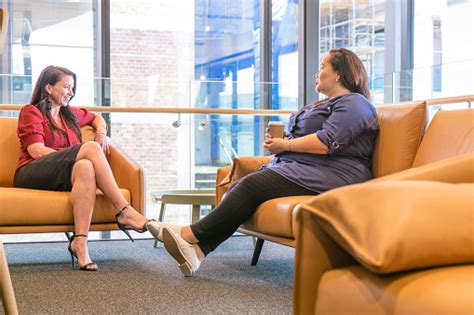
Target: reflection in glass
[(360, 26)]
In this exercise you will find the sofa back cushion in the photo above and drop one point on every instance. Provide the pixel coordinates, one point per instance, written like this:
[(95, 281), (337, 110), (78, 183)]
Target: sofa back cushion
[(401, 130), (398, 225), (450, 133), (10, 148)]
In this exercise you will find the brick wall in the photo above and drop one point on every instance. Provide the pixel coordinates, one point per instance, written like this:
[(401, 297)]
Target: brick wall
[(146, 70)]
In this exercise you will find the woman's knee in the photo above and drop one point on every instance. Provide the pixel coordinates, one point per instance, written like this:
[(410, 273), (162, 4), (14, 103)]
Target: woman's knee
[(91, 149), (84, 169)]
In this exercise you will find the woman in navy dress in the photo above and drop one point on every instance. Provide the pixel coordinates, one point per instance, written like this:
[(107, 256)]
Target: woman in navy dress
[(329, 144)]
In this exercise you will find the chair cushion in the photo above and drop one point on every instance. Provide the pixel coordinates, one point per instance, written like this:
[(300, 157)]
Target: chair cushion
[(401, 130), (450, 133), (400, 225), (354, 290), (276, 217), (42, 207)]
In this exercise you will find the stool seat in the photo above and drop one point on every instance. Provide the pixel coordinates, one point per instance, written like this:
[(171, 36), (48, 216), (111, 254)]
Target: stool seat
[(194, 197), (186, 197)]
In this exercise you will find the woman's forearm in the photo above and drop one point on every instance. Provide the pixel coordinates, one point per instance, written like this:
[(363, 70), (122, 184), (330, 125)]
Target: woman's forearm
[(308, 144), (37, 150), (99, 125)]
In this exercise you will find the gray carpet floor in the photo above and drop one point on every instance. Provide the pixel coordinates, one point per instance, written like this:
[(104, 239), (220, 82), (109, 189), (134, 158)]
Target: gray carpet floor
[(135, 278)]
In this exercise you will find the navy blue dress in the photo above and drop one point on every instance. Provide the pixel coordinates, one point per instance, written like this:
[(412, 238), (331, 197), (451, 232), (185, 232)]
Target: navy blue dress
[(348, 126)]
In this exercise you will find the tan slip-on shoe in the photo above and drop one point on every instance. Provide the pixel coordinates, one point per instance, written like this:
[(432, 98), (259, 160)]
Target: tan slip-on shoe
[(156, 229), (181, 251)]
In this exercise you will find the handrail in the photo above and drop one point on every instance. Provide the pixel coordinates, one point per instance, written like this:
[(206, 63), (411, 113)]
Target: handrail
[(450, 100), (224, 111), (173, 110)]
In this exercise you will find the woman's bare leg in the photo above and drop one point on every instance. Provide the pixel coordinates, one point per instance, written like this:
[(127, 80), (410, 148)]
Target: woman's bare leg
[(83, 199), (106, 182)]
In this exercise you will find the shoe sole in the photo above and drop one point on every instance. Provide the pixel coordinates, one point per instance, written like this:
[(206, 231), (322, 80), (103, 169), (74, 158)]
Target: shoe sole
[(172, 247)]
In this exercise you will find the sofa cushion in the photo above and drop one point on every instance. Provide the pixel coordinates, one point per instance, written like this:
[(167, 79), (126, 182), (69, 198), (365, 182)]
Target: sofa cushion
[(401, 130), (446, 290), (276, 217), (42, 207), (450, 133), (400, 225)]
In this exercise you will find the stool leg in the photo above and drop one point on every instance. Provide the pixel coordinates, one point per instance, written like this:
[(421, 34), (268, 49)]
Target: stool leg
[(161, 216), (195, 213)]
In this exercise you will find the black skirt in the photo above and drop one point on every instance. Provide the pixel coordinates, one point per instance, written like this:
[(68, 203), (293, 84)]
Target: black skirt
[(52, 171)]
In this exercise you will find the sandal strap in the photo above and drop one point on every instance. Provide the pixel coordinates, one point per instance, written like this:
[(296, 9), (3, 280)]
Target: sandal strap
[(80, 235), (92, 266), (119, 212)]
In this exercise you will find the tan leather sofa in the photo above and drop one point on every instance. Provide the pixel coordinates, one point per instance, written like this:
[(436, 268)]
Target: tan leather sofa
[(398, 246), (33, 211), (401, 129)]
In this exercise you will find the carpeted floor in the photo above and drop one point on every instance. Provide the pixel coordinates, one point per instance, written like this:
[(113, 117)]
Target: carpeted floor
[(136, 278)]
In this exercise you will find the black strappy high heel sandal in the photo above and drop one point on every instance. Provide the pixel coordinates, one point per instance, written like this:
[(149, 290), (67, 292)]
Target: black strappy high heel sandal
[(126, 228), (87, 267)]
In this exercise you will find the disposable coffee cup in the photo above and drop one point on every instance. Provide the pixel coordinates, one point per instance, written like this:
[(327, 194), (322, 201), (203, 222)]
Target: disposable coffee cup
[(276, 129)]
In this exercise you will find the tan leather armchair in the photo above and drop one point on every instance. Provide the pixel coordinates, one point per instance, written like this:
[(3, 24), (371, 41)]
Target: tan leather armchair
[(397, 246), (401, 129), (32, 211)]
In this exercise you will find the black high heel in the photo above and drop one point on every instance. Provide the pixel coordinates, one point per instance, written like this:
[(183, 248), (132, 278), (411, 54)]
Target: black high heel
[(125, 228), (87, 267)]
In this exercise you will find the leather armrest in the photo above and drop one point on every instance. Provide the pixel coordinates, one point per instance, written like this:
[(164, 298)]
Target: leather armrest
[(316, 253), (222, 174), (456, 170), (128, 175), (241, 166)]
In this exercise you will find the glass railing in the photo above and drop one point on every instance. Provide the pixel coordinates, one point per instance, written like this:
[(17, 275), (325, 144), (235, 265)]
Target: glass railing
[(179, 148), (447, 80)]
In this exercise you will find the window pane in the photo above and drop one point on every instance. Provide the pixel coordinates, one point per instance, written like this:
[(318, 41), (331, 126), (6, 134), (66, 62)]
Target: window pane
[(443, 48), (284, 54), (50, 32), (358, 25)]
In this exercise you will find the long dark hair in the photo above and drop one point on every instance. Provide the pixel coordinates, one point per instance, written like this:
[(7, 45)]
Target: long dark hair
[(40, 97), (351, 71)]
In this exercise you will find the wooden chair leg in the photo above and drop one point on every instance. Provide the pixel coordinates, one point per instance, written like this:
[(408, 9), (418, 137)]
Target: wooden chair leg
[(6, 288), (257, 251)]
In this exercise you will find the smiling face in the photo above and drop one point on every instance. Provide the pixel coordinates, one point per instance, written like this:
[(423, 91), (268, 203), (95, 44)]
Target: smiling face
[(327, 80), (61, 92)]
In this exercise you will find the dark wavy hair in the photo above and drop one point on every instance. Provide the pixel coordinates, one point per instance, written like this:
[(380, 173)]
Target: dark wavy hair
[(40, 97), (351, 71)]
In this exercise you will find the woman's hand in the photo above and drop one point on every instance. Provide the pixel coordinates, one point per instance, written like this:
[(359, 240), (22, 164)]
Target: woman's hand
[(276, 145), (101, 138), (101, 132)]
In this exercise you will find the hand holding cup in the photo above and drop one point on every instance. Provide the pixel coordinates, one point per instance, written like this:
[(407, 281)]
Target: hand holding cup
[(276, 129)]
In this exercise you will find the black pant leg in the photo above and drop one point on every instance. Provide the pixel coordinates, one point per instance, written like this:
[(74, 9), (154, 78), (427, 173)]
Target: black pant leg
[(240, 204)]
